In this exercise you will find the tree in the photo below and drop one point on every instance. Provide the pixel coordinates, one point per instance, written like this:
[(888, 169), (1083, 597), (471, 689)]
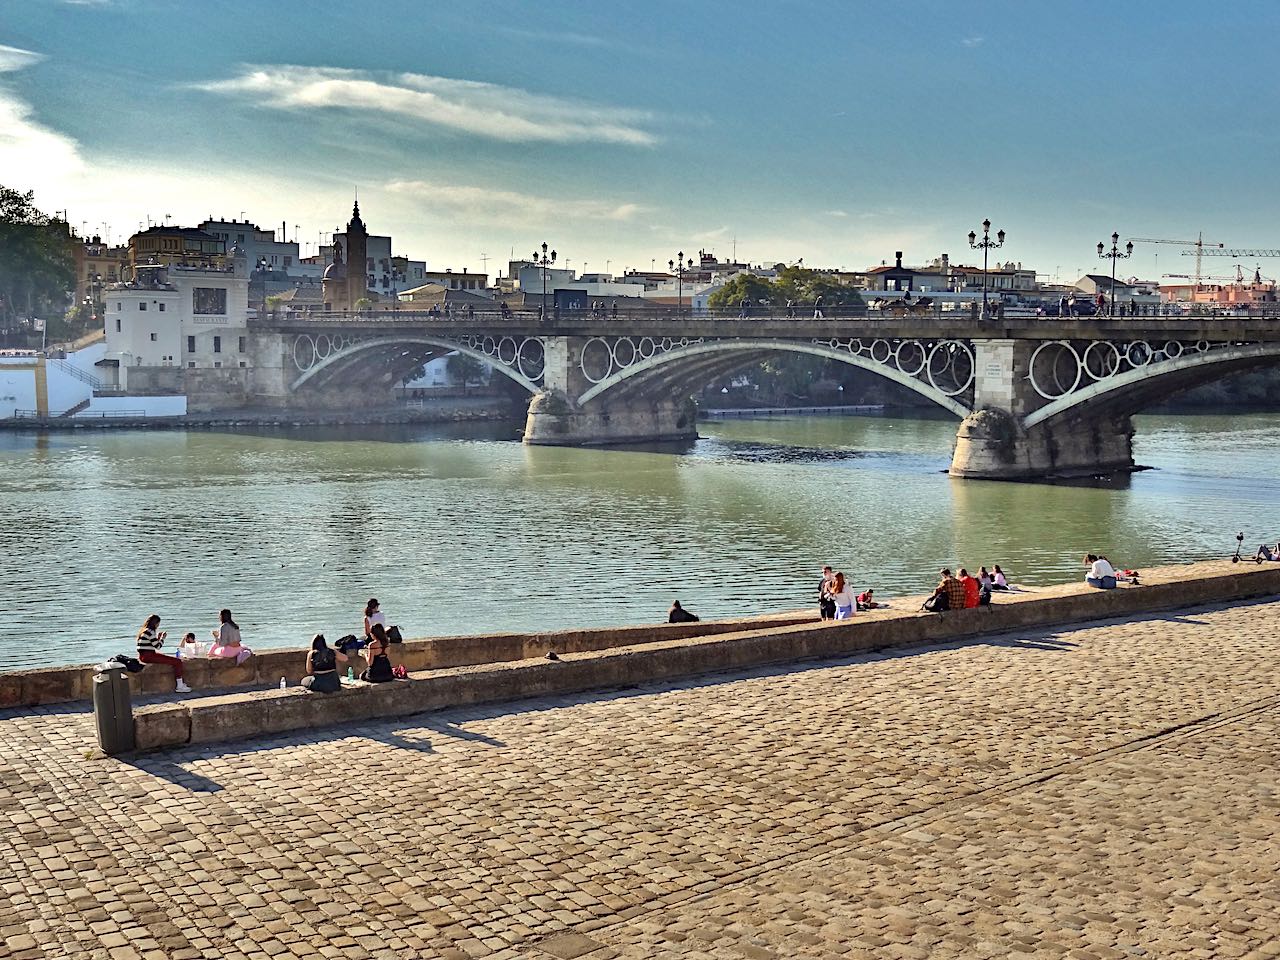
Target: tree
[(792, 284), (36, 265), (464, 369), (744, 286)]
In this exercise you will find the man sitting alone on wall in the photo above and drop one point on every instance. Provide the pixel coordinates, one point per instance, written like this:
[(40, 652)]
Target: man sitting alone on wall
[(679, 614)]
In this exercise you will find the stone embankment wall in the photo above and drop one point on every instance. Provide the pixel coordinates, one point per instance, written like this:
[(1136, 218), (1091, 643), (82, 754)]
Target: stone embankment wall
[(449, 672)]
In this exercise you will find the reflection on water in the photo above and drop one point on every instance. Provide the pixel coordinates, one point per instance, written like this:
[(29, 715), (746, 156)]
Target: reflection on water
[(460, 530)]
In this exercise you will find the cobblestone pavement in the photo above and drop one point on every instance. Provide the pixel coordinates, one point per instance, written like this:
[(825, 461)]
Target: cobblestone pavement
[(1107, 790)]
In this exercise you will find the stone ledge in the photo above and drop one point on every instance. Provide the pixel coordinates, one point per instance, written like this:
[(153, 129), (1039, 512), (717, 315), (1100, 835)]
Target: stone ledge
[(245, 715), (31, 688)]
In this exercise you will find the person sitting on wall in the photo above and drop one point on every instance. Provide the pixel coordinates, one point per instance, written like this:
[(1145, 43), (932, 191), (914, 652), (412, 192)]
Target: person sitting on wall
[(1101, 574), (379, 669), (866, 600), (948, 595), (150, 639), (972, 589), (226, 640), (322, 667), (678, 614)]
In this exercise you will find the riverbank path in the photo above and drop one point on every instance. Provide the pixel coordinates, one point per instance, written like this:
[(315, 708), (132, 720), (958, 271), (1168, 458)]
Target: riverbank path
[(1108, 790)]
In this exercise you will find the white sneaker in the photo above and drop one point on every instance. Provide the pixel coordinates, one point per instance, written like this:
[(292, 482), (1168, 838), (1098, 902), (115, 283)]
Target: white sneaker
[(181, 687)]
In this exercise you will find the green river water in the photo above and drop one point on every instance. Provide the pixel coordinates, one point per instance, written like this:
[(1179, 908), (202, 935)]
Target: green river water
[(469, 534)]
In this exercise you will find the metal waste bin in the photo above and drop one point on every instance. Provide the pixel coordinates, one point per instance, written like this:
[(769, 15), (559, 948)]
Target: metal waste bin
[(112, 708)]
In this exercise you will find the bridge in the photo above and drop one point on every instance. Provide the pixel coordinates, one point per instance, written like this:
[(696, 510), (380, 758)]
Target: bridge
[(1035, 397)]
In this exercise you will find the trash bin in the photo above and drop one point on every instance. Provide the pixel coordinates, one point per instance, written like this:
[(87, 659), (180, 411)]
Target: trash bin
[(112, 708)]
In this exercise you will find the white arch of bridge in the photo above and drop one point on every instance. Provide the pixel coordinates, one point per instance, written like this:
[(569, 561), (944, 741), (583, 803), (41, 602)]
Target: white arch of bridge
[(382, 343), (1149, 374), (659, 360)]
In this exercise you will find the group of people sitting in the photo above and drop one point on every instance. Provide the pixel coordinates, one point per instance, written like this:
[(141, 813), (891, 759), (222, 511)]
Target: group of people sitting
[(322, 660), (965, 591), (226, 645)]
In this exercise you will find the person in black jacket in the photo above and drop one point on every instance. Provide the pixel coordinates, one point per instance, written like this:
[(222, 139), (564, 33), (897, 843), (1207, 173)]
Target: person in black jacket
[(679, 614)]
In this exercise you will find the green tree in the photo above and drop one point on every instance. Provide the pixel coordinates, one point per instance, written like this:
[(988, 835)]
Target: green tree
[(744, 285), (36, 265), (464, 369)]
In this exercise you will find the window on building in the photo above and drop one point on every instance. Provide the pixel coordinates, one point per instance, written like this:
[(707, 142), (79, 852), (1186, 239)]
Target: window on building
[(153, 338), (142, 304), (242, 363), (217, 344), (190, 364), (119, 305), (217, 363), (240, 348), (117, 324), (288, 261), (161, 306), (191, 344), (209, 301)]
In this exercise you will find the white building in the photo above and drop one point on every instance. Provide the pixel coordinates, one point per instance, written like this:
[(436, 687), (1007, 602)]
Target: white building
[(259, 246), (177, 317)]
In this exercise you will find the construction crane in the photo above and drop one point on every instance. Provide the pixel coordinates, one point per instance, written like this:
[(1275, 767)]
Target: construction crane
[(1201, 248), (1241, 254)]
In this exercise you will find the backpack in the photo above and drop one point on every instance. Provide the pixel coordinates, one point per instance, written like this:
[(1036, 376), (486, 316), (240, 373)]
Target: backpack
[(937, 603)]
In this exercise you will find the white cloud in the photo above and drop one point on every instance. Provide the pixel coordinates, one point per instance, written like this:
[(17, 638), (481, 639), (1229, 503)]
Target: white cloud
[(973, 41), (29, 151), (837, 213), (487, 205), (482, 109)]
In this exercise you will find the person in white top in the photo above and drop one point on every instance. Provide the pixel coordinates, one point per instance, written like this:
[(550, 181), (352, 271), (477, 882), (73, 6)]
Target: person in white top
[(843, 596), (1101, 574), (998, 582), (373, 614)]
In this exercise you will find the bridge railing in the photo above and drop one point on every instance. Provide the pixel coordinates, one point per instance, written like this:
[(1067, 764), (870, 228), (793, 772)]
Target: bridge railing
[(881, 310)]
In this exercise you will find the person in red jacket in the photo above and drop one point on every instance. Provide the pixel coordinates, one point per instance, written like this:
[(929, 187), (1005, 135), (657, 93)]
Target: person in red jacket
[(971, 589)]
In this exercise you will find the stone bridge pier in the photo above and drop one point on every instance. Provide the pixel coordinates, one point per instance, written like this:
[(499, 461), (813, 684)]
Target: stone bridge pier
[(996, 441), (572, 410)]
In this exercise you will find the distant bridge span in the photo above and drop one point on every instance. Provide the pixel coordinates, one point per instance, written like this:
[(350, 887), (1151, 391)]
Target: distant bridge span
[(1036, 396)]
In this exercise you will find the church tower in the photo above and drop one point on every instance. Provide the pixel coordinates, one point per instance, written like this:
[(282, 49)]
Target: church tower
[(357, 258)]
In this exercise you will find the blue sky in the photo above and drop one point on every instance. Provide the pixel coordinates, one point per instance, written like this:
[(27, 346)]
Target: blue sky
[(836, 132)]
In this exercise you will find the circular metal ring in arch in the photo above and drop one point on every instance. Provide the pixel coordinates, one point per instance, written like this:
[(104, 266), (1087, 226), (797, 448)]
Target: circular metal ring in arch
[(624, 352), (1101, 359), (1055, 369), (507, 351), (917, 360), (531, 359), (950, 367), (597, 359), (304, 353), (1138, 353)]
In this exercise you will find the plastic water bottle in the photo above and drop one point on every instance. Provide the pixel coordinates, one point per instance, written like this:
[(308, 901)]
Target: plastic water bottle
[(351, 673), (283, 684)]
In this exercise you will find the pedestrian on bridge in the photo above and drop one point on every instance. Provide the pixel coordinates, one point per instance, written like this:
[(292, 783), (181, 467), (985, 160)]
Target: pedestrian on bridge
[(817, 308)]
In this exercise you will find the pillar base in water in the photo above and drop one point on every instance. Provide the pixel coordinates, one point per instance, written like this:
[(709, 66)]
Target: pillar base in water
[(552, 420), (990, 445)]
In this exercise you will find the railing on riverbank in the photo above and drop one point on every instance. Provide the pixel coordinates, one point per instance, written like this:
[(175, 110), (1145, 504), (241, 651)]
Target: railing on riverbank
[(81, 414), (726, 413)]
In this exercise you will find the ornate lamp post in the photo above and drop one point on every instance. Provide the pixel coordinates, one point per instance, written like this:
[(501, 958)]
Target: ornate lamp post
[(1113, 255), (986, 245), (544, 261), (678, 267)]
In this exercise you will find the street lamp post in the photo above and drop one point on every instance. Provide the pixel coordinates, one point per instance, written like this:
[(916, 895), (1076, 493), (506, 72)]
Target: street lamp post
[(677, 266), (1113, 255), (544, 261), (986, 245)]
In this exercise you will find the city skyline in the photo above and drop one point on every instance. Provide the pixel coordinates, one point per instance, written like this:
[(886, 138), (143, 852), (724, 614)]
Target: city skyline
[(804, 130)]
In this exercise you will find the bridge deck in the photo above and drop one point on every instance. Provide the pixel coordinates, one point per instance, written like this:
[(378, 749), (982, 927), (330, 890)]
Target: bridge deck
[(959, 326)]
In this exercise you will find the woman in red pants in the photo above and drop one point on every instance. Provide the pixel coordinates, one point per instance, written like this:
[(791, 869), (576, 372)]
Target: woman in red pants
[(150, 640)]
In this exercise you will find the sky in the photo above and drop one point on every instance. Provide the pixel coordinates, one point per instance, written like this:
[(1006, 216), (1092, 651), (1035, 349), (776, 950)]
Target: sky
[(830, 132)]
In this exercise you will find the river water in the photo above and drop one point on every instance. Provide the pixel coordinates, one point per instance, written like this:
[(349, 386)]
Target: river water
[(454, 534)]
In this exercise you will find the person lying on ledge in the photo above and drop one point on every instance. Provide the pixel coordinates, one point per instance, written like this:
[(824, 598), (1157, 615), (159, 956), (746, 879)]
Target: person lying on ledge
[(1101, 574), (678, 614), (1268, 552), (322, 667)]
